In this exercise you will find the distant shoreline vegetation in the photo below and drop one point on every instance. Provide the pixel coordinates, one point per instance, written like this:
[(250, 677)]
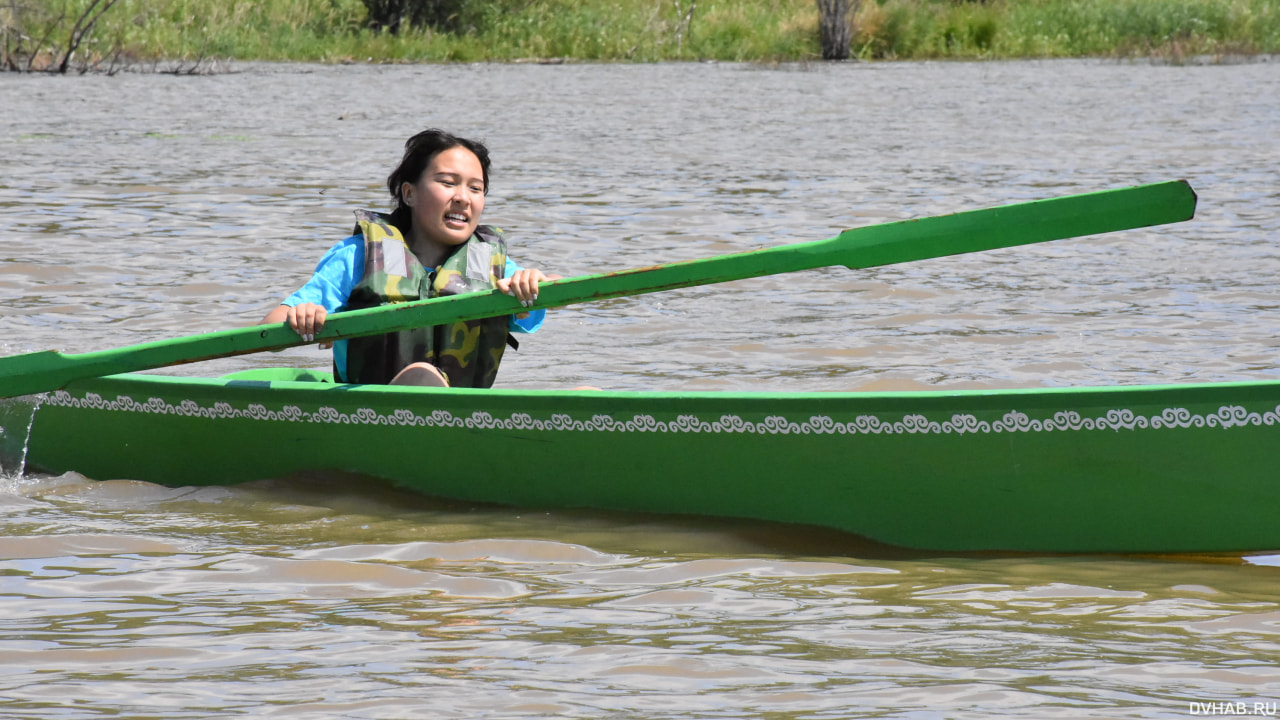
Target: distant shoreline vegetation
[(189, 36)]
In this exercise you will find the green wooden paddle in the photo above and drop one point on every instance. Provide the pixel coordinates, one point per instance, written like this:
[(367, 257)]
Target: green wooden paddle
[(966, 232)]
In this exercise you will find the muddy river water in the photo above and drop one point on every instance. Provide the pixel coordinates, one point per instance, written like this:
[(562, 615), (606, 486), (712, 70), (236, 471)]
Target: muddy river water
[(142, 207)]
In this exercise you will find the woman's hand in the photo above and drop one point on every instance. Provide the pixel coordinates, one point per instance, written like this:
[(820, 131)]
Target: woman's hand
[(523, 285), (306, 319)]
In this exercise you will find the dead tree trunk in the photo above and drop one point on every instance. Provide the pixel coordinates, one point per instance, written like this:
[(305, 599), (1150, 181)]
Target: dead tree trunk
[(835, 27)]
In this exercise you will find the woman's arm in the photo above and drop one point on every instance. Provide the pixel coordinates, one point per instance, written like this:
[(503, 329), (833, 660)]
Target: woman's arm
[(327, 290)]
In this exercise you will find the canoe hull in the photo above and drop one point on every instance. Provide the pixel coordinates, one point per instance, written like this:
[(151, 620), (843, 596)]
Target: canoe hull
[(1156, 469)]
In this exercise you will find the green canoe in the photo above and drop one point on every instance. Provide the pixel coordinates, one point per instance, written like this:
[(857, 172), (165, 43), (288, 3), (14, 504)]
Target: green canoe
[(1149, 469), (1185, 468)]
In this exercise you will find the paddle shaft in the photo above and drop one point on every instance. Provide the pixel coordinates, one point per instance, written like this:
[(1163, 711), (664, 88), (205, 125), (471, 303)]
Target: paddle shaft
[(966, 232)]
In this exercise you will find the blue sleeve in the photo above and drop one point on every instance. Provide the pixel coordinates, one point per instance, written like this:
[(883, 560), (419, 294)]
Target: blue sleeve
[(335, 277), (531, 323)]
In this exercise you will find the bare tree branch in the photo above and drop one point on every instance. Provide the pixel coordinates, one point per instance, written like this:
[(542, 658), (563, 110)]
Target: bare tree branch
[(35, 49), (82, 28)]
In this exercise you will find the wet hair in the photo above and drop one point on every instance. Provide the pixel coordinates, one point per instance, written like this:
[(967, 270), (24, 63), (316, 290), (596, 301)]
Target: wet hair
[(418, 153)]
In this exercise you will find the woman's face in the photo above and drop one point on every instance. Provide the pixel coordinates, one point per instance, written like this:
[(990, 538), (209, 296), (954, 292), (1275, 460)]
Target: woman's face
[(447, 200)]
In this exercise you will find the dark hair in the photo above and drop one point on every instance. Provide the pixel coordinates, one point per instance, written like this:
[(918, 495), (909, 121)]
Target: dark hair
[(418, 152)]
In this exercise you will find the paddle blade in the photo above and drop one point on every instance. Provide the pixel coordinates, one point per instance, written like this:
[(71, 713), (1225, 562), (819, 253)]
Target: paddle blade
[(1010, 225), (37, 372), (49, 370)]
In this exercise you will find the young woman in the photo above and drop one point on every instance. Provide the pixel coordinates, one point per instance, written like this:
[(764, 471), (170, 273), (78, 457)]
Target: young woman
[(432, 244)]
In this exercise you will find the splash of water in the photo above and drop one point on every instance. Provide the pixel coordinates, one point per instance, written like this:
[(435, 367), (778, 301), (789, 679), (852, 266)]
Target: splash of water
[(17, 416)]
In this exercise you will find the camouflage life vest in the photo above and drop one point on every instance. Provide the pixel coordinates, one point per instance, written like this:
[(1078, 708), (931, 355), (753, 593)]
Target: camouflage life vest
[(467, 353)]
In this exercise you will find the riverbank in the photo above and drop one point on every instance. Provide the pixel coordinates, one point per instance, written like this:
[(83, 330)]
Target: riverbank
[(186, 33)]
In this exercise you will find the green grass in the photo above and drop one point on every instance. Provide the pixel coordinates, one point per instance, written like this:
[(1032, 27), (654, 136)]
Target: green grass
[(652, 30), (913, 29)]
